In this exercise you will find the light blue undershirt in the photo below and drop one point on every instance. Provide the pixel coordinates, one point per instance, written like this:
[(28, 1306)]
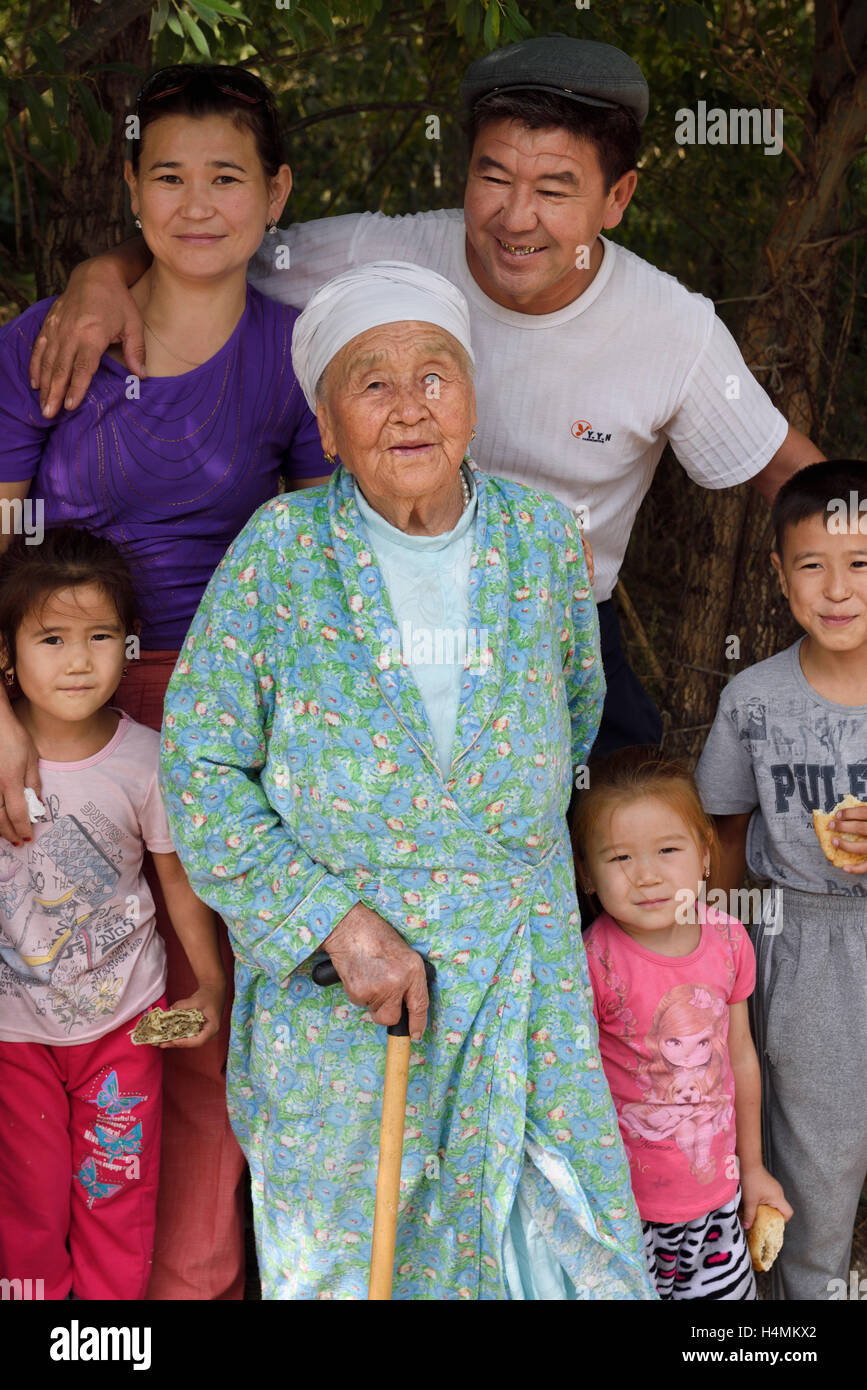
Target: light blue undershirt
[(532, 1271), (428, 581)]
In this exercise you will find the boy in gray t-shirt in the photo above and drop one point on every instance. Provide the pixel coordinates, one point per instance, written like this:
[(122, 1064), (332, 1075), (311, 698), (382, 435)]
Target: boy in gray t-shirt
[(790, 737)]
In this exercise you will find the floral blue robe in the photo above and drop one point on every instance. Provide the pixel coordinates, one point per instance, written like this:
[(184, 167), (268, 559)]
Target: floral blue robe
[(300, 777)]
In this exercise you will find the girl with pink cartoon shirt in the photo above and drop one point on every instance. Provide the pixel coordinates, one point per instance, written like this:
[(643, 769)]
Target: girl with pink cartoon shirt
[(81, 960), (671, 978)]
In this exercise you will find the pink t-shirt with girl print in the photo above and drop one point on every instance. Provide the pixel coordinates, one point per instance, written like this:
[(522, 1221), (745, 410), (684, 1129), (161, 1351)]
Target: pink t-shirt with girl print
[(79, 950), (663, 1030)]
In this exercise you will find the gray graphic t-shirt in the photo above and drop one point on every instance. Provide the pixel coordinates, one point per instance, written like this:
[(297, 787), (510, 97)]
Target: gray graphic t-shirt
[(781, 750)]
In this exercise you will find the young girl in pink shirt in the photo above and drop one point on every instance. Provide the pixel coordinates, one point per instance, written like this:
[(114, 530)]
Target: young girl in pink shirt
[(80, 958), (671, 978)]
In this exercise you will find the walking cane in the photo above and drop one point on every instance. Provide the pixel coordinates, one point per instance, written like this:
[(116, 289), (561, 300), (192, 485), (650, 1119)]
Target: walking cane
[(390, 1139)]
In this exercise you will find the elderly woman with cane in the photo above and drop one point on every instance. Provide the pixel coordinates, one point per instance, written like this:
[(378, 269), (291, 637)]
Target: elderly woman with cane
[(368, 750)]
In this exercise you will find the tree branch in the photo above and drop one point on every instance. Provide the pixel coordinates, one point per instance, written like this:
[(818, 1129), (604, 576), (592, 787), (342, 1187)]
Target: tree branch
[(795, 160), (15, 294), (112, 17), (16, 192), (24, 152), (358, 107), (649, 174), (837, 240)]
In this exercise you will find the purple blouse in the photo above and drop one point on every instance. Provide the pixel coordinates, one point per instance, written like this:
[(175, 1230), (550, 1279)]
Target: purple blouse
[(170, 475)]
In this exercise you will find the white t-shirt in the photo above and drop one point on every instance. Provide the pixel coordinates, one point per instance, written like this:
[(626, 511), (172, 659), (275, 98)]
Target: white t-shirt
[(580, 402), (79, 949)]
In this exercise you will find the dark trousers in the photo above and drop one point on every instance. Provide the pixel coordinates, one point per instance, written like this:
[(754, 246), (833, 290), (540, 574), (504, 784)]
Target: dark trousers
[(629, 716)]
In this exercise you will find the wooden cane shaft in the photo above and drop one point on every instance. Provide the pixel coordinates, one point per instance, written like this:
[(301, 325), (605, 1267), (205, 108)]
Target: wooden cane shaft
[(388, 1175)]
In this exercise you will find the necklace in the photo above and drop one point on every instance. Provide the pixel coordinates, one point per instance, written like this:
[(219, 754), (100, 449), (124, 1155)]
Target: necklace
[(169, 350), (465, 490)]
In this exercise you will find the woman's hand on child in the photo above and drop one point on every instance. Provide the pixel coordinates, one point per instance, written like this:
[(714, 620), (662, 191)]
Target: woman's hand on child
[(851, 821), (757, 1186), (209, 999)]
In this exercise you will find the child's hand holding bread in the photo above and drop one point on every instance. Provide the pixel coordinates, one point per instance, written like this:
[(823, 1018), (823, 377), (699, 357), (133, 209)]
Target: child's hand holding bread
[(763, 1202), (842, 833)]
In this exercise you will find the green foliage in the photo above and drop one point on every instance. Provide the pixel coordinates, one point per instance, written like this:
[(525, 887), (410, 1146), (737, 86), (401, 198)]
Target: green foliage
[(686, 23), (39, 117), (178, 27), (46, 51), (181, 25), (98, 121)]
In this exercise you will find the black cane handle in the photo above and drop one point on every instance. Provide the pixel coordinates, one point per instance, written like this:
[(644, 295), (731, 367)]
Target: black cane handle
[(324, 974)]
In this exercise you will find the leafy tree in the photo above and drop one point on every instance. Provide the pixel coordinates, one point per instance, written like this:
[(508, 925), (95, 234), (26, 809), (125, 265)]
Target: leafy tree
[(802, 294)]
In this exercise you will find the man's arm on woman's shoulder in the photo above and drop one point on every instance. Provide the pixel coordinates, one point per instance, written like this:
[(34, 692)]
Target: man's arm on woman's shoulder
[(95, 309)]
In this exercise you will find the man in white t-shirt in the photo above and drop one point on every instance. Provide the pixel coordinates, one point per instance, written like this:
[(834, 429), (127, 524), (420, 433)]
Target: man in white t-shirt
[(589, 359)]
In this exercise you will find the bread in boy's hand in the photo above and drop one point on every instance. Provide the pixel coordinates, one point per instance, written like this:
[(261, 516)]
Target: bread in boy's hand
[(160, 1027), (765, 1236), (838, 856)]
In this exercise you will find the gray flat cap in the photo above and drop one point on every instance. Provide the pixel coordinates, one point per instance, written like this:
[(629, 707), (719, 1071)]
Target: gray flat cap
[(594, 73)]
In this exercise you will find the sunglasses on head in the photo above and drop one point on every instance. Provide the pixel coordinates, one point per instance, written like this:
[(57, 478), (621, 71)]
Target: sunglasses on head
[(232, 82)]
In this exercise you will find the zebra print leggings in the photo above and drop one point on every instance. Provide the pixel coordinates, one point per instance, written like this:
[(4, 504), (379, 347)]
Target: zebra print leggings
[(704, 1258)]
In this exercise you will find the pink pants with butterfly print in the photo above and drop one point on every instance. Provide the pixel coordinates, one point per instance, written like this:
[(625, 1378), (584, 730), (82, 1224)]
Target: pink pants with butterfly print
[(79, 1164)]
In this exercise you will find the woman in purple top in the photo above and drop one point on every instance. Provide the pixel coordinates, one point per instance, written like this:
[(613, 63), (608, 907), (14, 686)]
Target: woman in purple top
[(170, 467)]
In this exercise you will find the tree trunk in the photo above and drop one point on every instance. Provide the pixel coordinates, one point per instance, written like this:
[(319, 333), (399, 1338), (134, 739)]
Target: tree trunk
[(730, 589), (89, 209)]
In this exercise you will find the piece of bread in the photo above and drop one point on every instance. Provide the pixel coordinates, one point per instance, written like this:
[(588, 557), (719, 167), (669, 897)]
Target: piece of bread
[(160, 1027), (765, 1236), (838, 856)]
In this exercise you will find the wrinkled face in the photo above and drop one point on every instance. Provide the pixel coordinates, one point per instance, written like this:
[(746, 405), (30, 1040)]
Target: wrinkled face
[(399, 408), (202, 194), (533, 197), (69, 652), (638, 858), (823, 574)]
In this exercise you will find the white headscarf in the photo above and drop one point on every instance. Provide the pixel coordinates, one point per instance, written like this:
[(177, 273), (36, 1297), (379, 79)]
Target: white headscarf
[(367, 297)]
